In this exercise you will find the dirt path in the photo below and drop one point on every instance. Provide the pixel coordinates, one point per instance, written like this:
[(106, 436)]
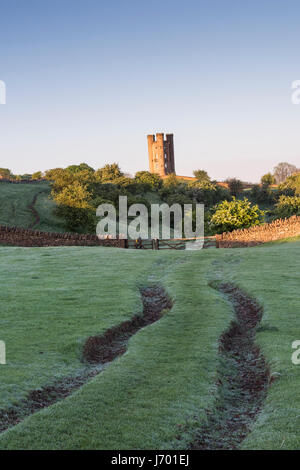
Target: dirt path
[(33, 210), (243, 377), (98, 350)]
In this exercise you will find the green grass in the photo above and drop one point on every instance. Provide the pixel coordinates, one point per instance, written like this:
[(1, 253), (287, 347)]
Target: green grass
[(53, 298), (14, 202), (276, 285), (283, 240), (139, 401)]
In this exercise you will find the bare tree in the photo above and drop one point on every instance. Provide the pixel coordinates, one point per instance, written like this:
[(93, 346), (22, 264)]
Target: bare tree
[(283, 170)]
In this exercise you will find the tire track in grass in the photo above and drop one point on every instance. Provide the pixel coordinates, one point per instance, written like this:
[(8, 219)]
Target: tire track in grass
[(243, 377), (98, 351)]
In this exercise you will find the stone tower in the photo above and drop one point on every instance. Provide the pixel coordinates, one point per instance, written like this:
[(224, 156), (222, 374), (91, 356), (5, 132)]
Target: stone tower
[(161, 154)]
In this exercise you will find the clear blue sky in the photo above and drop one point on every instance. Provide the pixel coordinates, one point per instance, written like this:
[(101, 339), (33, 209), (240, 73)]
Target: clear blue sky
[(88, 79)]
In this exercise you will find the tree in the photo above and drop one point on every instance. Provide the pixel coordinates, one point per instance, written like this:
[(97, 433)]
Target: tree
[(5, 173), (291, 184), (262, 194), (109, 172), (235, 186), (37, 175), (150, 181), (80, 167), (171, 181), (60, 178), (283, 170), (74, 195), (236, 214), (287, 206), (201, 175), (268, 179)]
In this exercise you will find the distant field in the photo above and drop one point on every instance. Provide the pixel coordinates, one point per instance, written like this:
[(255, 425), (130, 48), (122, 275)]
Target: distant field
[(15, 200), (156, 394)]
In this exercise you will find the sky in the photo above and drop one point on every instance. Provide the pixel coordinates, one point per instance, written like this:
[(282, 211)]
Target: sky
[(87, 80)]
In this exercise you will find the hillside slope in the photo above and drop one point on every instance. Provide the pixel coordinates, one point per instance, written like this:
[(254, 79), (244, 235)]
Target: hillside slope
[(28, 206)]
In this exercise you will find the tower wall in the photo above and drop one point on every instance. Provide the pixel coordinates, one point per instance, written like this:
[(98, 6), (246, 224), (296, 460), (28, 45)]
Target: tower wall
[(161, 154)]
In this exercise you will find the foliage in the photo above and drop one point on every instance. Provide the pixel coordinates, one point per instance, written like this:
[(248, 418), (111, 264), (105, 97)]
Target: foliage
[(37, 175), (235, 214), (201, 175), (74, 195), (171, 181), (109, 172), (287, 206), (207, 192), (283, 170), (74, 205), (79, 168), (291, 185), (262, 194), (149, 181), (5, 173), (235, 186), (268, 179)]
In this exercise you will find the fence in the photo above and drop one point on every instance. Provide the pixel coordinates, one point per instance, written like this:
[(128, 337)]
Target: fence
[(170, 244)]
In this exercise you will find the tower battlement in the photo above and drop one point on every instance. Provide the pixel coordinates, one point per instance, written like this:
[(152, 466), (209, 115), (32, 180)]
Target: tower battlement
[(161, 154)]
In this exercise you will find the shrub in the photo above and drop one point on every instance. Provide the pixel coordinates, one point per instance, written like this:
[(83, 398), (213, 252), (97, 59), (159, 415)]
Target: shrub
[(207, 193), (201, 175), (268, 179), (236, 214), (148, 181), (287, 206), (262, 194), (37, 175), (235, 186), (109, 172), (291, 186)]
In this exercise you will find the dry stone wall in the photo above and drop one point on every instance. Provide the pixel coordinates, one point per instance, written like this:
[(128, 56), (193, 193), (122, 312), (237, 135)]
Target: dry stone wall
[(279, 229), (16, 236)]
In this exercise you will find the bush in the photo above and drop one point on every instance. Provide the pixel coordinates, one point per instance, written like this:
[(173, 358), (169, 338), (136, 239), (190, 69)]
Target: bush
[(201, 175), (291, 186), (207, 193), (262, 194), (235, 186), (235, 214), (268, 179), (148, 181), (37, 175), (287, 206), (109, 172)]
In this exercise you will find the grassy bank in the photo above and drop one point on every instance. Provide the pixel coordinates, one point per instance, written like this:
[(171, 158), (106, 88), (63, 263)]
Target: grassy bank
[(15, 200)]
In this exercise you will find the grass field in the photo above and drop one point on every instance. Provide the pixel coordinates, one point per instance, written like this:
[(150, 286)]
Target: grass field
[(156, 394), (15, 200)]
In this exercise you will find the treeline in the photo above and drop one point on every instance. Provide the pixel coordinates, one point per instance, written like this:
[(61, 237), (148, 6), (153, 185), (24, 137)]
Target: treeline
[(6, 174), (284, 201), (79, 189)]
